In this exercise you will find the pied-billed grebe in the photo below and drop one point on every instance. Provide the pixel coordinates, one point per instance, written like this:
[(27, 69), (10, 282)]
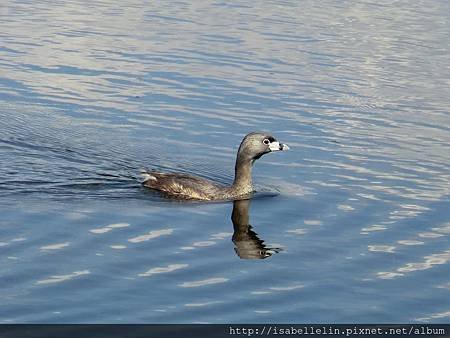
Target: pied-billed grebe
[(182, 186)]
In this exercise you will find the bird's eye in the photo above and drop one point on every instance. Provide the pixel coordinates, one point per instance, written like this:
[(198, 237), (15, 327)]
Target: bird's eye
[(266, 141)]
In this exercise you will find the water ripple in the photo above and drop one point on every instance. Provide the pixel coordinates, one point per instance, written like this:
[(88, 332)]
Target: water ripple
[(90, 93)]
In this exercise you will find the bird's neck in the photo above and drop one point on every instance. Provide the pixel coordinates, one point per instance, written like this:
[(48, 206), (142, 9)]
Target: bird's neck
[(243, 175)]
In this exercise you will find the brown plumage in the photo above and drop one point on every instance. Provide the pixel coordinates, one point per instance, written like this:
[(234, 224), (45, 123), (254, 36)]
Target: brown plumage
[(182, 186)]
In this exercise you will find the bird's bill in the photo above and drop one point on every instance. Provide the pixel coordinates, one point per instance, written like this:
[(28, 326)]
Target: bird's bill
[(277, 146)]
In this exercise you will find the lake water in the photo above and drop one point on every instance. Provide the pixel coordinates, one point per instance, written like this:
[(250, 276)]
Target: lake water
[(353, 222)]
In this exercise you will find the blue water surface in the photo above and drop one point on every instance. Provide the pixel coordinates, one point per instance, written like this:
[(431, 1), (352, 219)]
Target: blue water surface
[(351, 225)]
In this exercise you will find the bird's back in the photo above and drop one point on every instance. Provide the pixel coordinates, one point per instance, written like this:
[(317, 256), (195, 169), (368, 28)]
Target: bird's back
[(182, 186)]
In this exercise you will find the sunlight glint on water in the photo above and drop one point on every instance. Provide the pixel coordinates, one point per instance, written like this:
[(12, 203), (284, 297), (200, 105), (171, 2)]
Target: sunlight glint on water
[(350, 225)]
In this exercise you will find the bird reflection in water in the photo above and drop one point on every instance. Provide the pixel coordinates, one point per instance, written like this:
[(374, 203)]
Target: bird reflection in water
[(247, 243)]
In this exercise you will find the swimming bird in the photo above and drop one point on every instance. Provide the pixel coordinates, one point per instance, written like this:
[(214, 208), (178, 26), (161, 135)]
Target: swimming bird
[(182, 186)]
